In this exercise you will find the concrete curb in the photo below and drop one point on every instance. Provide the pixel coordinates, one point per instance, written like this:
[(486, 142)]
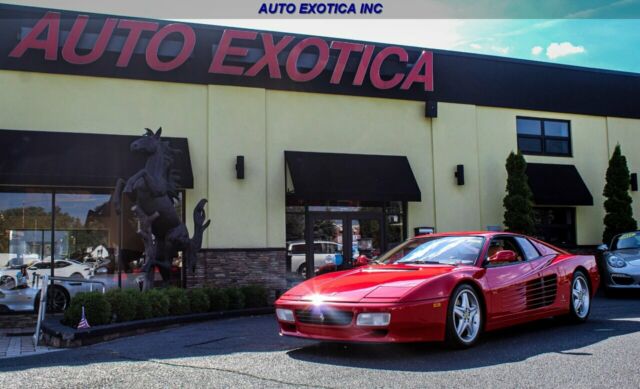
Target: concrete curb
[(56, 334)]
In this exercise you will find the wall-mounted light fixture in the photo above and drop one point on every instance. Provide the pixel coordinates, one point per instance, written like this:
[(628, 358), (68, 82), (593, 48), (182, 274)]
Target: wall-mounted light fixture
[(634, 182), (459, 174), (431, 109), (240, 167)]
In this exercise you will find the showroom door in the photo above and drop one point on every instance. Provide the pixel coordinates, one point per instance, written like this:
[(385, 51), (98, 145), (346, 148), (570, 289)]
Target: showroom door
[(338, 241)]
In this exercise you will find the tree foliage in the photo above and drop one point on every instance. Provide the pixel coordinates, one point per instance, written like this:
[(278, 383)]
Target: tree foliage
[(619, 214), (518, 203)]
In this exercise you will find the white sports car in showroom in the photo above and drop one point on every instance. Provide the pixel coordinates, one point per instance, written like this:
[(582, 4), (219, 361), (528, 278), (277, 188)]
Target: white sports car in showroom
[(63, 268)]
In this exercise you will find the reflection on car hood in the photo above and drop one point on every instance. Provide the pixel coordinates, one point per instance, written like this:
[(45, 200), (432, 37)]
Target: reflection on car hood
[(372, 282)]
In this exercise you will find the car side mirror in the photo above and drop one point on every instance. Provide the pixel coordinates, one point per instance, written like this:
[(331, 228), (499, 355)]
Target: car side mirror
[(503, 256), (603, 248)]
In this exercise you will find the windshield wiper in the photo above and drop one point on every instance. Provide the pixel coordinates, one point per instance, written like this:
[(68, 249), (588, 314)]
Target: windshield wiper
[(423, 262)]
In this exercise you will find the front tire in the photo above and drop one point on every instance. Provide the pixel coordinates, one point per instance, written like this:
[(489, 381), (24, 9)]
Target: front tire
[(464, 318), (57, 299), (580, 300)]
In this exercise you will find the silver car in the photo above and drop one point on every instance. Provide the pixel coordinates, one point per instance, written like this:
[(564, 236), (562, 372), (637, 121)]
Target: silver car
[(621, 262), (26, 299)]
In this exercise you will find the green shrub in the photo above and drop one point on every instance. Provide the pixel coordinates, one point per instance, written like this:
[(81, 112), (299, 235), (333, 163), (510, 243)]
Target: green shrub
[(236, 298), (218, 299), (255, 296), (198, 300), (97, 309), (123, 305), (178, 301), (142, 304), (158, 301)]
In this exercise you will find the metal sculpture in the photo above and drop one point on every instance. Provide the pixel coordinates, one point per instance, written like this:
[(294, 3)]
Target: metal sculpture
[(153, 191)]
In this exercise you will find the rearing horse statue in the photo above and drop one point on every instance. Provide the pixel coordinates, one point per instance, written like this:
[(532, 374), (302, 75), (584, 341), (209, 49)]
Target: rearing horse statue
[(153, 190)]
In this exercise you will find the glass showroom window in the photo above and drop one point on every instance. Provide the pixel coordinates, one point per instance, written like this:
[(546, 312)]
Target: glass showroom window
[(544, 136)]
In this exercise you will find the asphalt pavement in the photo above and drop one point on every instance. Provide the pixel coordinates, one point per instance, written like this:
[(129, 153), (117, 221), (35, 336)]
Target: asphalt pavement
[(247, 352)]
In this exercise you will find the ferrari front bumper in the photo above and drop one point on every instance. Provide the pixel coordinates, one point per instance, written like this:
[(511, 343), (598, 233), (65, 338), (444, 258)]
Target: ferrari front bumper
[(420, 321)]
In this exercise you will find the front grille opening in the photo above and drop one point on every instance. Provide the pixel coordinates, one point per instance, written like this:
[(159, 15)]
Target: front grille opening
[(289, 327), (621, 279), (324, 316), (379, 333)]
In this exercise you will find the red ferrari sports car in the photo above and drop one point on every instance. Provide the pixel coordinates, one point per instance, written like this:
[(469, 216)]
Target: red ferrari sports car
[(442, 287)]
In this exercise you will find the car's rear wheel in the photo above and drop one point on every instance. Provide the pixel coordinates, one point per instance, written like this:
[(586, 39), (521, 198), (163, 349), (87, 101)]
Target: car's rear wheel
[(580, 301), (77, 275), (464, 317)]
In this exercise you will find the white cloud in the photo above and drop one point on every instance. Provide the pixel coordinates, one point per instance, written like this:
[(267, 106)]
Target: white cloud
[(475, 46), (557, 50), (500, 50), (536, 50)]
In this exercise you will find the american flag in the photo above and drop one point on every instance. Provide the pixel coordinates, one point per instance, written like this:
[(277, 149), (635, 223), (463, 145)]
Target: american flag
[(83, 321)]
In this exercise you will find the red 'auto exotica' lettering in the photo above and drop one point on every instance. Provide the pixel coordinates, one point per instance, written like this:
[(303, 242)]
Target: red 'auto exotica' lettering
[(45, 36), (345, 49), (425, 61), (69, 49), (294, 55), (376, 65), (50, 22), (225, 48), (135, 28), (188, 43), (270, 57)]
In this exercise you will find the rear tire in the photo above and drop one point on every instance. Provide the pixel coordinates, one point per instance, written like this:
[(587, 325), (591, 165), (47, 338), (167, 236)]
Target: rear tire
[(580, 298), (464, 318), (77, 276)]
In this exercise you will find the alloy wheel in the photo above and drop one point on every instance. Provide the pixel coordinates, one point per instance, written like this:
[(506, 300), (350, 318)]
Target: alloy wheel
[(580, 296), (466, 316)]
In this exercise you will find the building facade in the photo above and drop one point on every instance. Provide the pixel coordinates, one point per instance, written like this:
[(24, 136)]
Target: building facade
[(347, 146)]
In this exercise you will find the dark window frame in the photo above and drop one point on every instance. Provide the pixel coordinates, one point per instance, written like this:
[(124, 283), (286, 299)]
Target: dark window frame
[(543, 137)]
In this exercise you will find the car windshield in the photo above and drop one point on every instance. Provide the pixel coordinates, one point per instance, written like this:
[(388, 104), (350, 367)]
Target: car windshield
[(450, 250), (629, 240)]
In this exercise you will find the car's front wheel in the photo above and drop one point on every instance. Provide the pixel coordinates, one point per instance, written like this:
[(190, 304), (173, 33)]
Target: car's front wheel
[(580, 302), (57, 299), (464, 317)]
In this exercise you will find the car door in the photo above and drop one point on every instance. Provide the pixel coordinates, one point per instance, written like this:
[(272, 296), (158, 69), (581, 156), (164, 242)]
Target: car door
[(542, 287), (507, 282)]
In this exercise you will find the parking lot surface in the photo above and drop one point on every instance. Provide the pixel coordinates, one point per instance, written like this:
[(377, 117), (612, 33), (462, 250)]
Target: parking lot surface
[(247, 352)]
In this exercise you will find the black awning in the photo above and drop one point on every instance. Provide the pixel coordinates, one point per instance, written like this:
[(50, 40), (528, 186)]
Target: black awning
[(557, 185), (36, 158), (329, 176)]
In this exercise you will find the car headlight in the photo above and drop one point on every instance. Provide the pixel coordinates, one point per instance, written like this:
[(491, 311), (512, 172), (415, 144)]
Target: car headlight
[(614, 261), (373, 319), (285, 315)]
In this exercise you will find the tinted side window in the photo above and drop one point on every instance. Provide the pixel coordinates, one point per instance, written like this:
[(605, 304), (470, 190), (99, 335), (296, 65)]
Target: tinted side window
[(505, 243), (318, 248), (43, 265), (298, 249), (62, 264), (530, 252)]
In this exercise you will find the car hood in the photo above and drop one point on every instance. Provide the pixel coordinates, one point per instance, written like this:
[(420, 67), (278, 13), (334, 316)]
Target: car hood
[(384, 282), (632, 256)]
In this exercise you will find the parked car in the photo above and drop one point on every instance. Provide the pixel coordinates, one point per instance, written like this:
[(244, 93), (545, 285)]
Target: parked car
[(63, 268), (621, 262), (27, 299), (324, 253), (442, 287)]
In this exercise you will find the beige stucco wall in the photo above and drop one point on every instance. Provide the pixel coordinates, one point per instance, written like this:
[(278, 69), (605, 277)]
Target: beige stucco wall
[(45, 102), (345, 124), (222, 122)]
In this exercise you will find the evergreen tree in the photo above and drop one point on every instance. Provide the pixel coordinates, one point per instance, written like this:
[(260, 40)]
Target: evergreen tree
[(518, 203), (619, 214)]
